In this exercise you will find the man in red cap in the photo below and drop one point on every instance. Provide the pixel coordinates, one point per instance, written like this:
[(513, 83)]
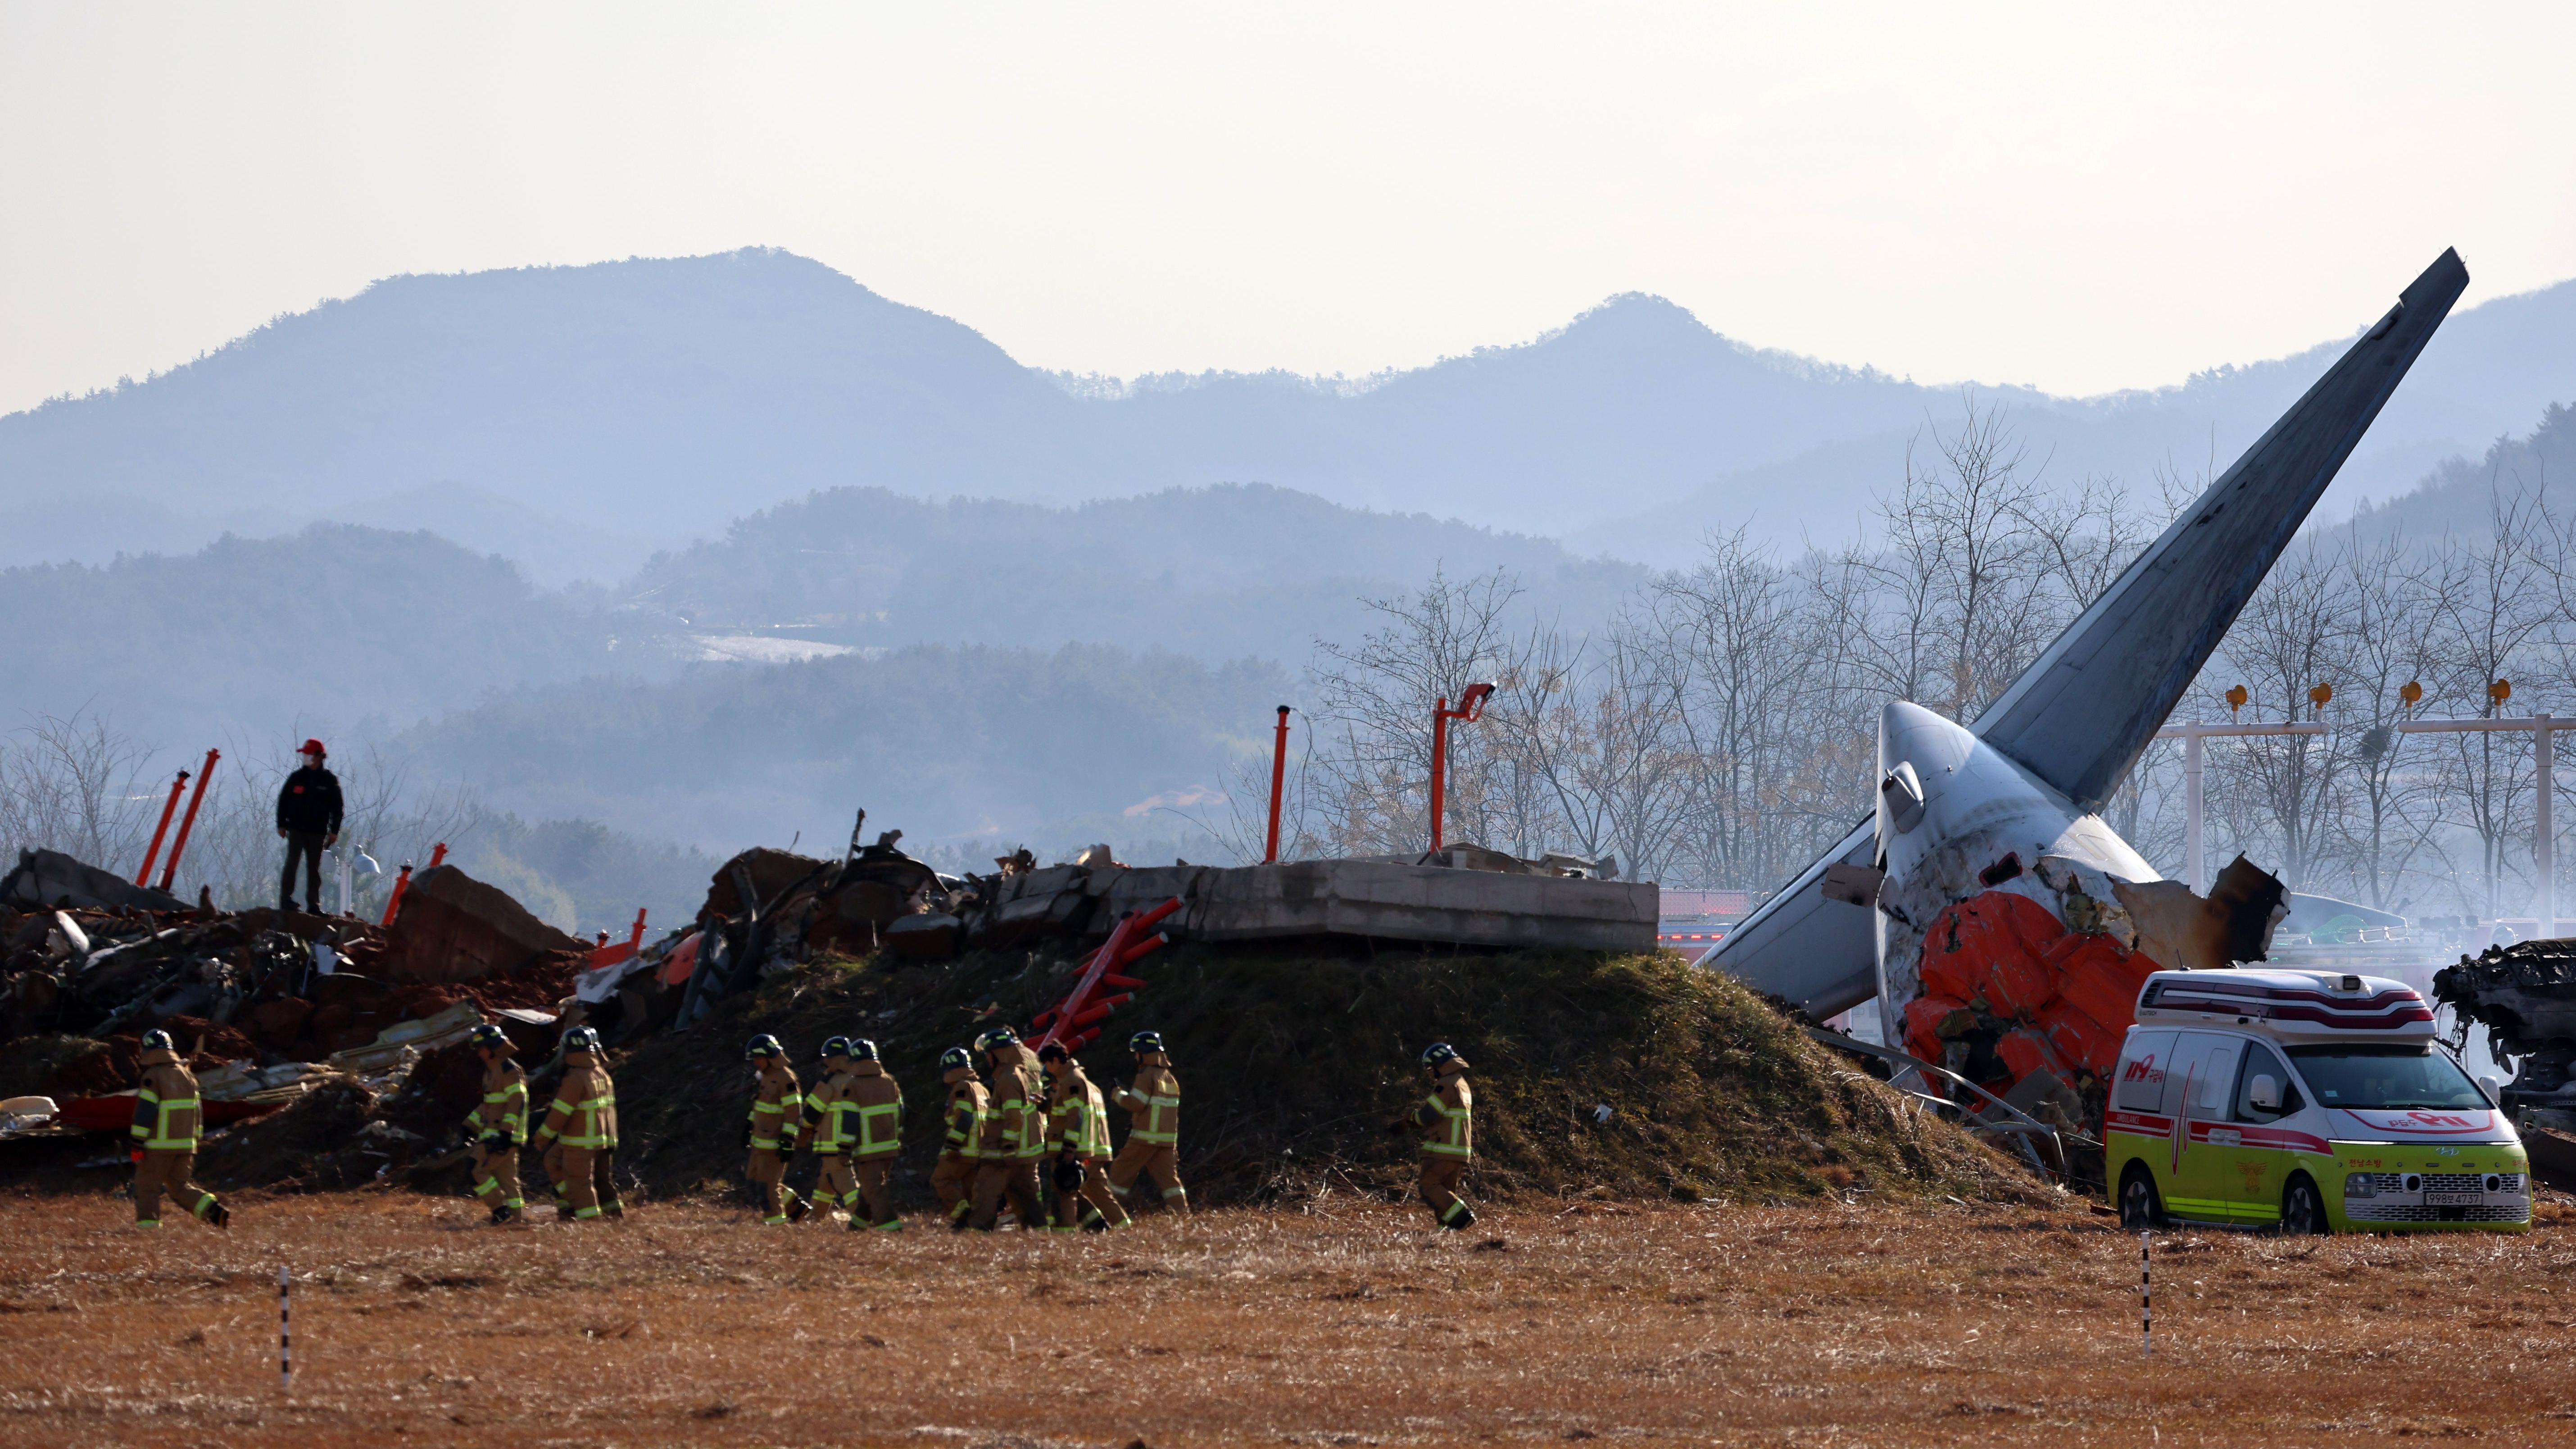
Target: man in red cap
[(308, 820)]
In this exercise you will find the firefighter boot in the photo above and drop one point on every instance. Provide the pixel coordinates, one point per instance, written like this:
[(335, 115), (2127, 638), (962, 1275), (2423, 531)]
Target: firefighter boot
[(215, 1214)]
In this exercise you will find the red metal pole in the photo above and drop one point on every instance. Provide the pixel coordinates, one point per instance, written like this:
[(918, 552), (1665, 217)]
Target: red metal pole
[(188, 821), (402, 882), (635, 938), (144, 876), (1439, 764), (1278, 782), (393, 902)]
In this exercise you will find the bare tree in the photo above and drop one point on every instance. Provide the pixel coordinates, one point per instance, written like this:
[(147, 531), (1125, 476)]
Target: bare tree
[(1374, 699), (75, 784)]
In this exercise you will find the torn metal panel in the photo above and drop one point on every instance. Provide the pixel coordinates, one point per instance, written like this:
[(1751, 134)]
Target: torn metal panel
[(48, 878), (453, 927)]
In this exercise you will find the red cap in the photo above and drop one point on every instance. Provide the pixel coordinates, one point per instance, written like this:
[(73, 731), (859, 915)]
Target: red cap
[(312, 747)]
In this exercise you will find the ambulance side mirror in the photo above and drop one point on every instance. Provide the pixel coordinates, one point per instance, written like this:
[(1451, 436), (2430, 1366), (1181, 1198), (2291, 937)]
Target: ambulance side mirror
[(2263, 1094)]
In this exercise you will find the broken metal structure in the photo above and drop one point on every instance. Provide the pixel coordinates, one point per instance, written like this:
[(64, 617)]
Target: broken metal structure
[(2003, 927)]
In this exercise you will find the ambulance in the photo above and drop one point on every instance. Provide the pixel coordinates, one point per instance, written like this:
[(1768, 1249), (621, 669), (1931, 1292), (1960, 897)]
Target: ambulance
[(2309, 1101)]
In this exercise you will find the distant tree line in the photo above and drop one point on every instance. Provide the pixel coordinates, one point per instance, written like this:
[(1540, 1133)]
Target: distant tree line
[(1721, 732)]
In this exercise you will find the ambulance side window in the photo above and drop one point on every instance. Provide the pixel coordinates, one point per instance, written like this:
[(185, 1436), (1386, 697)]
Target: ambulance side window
[(2217, 1080), (2142, 1072), (2187, 1075), (2262, 1061)]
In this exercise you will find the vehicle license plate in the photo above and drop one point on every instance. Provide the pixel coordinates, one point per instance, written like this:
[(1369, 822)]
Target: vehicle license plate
[(2454, 1199)]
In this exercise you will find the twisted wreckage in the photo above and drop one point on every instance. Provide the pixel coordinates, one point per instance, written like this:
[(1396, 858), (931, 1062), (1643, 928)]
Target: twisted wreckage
[(345, 1040), (2003, 927)]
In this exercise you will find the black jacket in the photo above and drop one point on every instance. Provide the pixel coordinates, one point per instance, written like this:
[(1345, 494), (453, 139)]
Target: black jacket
[(309, 803)]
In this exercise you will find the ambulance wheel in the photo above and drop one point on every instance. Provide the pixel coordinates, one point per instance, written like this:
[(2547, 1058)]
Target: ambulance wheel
[(2303, 1211), (2140, 1207)]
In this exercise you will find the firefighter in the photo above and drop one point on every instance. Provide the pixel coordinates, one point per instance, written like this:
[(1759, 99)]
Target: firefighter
[(168, 1121), (1014, 1134), (953, 1180), (877, 1102), (1445, 1120), (1153, 1107), (499, 1126), (769, 1132), (1078, 1138), (828, 1129), (580, 1133)]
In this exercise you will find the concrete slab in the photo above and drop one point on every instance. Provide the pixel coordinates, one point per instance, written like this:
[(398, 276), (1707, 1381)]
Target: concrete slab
[(1399, 902)]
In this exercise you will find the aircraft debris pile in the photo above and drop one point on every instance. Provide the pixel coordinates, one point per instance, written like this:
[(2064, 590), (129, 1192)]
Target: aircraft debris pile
[(2526, 996), (270, 1008)]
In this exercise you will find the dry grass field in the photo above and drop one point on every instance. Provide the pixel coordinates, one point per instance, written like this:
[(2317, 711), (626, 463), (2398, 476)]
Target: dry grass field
[(1344, 1325)]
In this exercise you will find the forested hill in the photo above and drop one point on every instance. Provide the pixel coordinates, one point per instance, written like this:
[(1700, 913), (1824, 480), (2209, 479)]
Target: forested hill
[(318, 632), (2461, 497), (1056, 745), (1218, 573)]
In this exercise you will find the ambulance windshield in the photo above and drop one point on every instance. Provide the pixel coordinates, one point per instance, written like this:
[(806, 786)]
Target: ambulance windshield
[(2386, 1077)]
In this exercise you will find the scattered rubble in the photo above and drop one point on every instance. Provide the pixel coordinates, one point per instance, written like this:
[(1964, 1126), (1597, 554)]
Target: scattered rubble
[(272, 1010), (332, 1052)]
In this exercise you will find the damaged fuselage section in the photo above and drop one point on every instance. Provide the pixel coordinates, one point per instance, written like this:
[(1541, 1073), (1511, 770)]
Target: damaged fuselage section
[(2015, 929)]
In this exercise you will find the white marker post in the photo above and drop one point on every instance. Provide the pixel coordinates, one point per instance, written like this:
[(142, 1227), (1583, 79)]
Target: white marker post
[(285, 1349), (2146, 1310)]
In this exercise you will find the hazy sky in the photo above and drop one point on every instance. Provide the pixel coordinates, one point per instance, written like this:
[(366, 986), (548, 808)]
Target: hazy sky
[(2050, 194)]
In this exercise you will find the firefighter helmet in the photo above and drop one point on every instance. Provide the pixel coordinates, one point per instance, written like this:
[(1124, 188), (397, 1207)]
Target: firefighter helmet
[(1145, 1041)]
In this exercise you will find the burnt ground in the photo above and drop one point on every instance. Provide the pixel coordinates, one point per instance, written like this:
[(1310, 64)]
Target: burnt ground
[(1340, 1323)]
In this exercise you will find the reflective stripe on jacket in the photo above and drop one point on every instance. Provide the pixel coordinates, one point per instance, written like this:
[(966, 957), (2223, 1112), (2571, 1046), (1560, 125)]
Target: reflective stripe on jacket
[(584, 1113), (504, 1108), (1153, 1105), (1016, 1124), (167, 1112), (776, 1109), (1078, 1120), (826, 1108), (1447, 1118), (968, 1105), (877, 1102)]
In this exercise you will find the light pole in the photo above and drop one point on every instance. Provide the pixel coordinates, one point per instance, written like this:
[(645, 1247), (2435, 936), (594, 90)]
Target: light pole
[(1471, 706)]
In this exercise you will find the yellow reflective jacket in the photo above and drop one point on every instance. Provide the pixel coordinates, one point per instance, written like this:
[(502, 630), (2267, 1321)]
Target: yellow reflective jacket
[(1153, 1105), (968, 1105), (167, 1111), (1077, 1120), (504, 1108), (584, 1113), (1015, 1125), (1446, 1118), (776, 1108)]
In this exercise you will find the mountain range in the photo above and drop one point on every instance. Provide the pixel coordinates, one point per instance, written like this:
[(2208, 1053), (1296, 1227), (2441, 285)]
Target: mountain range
[(577, 419)]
